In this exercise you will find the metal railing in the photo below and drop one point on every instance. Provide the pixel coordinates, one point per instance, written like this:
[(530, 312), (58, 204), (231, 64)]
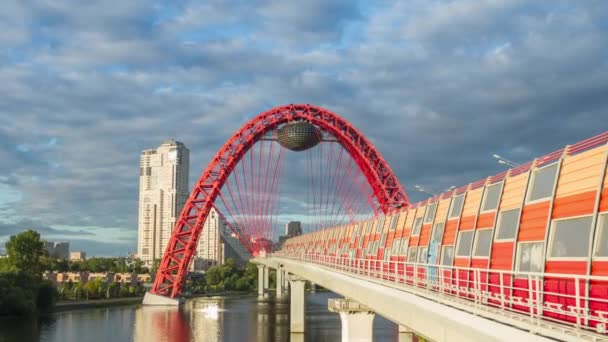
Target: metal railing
[(574, 304)]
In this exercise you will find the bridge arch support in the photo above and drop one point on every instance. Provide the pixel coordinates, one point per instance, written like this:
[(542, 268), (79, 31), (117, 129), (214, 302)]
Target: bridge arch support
[(387, 190)]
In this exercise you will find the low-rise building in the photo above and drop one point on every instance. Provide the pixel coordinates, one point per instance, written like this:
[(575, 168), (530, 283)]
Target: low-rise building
[(78, 256)]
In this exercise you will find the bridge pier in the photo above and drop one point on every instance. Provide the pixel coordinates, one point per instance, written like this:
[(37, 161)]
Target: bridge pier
[(263, 281), (297, 305), (405, 334), (280, 275), (157, 300), (357, 319)]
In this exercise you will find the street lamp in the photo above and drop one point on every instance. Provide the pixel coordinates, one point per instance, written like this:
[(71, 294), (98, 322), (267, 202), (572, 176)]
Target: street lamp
[(505, 161), (432, 193)]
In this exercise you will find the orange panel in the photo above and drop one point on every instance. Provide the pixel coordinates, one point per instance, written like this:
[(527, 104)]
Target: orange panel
[(604, 200), (479, 263), (574, 205), (425, 235), (449, 234), (472, 201), (502, 255), (566, 267), (486, 220), (389, 239), (414, 240), (442, 210), (467, 223), (599, 268), (461, 262), (534, 222)]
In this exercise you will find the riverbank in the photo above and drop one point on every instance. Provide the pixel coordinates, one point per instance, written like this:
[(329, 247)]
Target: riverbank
[(96, 303)]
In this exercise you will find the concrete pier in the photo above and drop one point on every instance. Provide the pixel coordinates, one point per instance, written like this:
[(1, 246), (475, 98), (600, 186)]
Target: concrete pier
[(262, 281), (154, 299), (405, 334), (357, 319), (297, 306), (279, 284)]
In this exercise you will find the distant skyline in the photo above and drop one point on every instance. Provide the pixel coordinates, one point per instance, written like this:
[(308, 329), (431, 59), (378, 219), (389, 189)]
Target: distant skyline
[(437, 86)]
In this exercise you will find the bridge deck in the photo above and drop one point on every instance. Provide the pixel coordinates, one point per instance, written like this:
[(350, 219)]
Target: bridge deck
[(424, 307)]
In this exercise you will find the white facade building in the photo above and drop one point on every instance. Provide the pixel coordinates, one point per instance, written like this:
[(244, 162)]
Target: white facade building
[(210, 249), (163, 191), (217, 243)]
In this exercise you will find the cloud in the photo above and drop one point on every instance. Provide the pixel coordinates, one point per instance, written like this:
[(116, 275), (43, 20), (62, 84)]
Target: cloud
[(438, 87)]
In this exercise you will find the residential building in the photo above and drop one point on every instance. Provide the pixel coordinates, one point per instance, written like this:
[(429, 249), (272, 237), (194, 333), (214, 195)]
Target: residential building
[(217, 243), (163, 191), (293, 228), (78, 256), (59, 250)]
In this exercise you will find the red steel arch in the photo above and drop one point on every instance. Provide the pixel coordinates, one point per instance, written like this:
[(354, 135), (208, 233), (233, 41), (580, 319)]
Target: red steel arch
[(182, 245)]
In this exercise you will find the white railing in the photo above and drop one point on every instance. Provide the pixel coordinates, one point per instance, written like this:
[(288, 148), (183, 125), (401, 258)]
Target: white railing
[(577, 303)]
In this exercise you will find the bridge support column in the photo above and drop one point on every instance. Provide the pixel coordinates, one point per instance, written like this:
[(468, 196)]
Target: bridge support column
[(357, 319), (405, 334), (262, 281), (279, 283), (154, 299), (297, 305), (285, 280)]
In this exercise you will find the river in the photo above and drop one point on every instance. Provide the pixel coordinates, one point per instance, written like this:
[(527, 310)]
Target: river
[(234, 318)]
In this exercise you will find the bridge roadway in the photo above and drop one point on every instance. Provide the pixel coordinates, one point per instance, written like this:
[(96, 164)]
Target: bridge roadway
[(425, 313)]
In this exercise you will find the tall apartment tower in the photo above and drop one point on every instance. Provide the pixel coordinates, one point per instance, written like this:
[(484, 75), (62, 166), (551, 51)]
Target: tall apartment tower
[(210, 250), (163, 191), (217, 243)]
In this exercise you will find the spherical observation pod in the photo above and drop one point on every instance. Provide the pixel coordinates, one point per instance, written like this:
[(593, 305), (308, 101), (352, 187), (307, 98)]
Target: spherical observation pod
[(387, 190), (298, 136)]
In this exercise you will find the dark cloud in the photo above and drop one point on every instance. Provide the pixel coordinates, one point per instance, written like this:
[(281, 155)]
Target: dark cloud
[(438, 87), (25, 224)]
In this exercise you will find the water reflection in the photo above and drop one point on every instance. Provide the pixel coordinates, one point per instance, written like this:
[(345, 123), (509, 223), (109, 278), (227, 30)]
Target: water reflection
[(214, 319), (203, 319)]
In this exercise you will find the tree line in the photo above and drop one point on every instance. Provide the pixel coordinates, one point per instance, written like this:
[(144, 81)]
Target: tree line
[(22, 289)]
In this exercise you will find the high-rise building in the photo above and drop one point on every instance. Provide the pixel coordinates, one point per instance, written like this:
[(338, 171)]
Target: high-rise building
[(293, 228), (209, 251), (58, 250), (217, 243), (163, 191)]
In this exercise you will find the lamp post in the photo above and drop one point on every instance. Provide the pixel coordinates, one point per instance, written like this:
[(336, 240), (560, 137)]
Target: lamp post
[(505, 161), (433, 193)]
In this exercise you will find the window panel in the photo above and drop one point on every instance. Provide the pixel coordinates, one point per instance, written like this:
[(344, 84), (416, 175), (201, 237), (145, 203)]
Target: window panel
[(430, 213), (456, 206), (465, 239), (491, 196), (508, 221), (542, 183), (383, 240), (395, 246), (447, 255), (412, 253), (394, 220), (437, 232), (601, 248), (380, 224), (387, 254), (423, 255), (404, 245), (483, 240), (417, 226), (570, 237), (530, 257)]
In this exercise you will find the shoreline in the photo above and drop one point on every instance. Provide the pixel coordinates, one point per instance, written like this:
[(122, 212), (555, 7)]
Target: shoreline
[(94, 303)]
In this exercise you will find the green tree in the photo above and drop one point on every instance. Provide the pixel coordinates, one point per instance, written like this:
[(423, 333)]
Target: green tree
[(25, 251)]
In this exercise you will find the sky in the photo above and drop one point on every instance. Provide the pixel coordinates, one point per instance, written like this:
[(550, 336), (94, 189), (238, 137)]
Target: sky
[(437, 86)]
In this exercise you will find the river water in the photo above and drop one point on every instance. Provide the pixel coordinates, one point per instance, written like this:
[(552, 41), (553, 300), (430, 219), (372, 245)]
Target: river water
[(203, 319)]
